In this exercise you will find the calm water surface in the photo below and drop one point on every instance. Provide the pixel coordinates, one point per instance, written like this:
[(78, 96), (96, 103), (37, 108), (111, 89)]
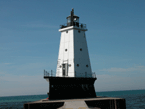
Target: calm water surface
[(135, 99)]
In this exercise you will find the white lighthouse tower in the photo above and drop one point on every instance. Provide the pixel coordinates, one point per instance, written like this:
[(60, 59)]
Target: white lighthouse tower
[(74, 77), (73, 58)]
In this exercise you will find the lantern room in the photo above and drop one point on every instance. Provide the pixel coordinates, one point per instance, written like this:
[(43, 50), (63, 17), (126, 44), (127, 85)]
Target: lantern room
[(72, 20)]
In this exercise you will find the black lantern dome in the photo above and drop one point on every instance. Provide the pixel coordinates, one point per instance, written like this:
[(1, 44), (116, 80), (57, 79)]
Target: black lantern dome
[(73, 20)]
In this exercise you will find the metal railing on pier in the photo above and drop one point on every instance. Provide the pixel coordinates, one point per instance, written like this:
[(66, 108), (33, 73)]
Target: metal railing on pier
[(49, 73), (53, 74), (94, 75)]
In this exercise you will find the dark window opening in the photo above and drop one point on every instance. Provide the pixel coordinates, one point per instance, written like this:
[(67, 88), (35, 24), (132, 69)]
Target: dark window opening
[(65, 49), (80, 49), (77, 65), (79, 31), (63, 65), (66, 31), (69, 65), (63, 72), (87, 66)]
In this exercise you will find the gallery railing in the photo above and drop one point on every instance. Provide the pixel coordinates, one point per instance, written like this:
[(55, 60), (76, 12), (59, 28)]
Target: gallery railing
[(53, 74), (76, 24)]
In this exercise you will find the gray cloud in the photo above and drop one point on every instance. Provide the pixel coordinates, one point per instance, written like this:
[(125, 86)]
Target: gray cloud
[(131, 69), (112, 83), (23, 85), (32, 25)]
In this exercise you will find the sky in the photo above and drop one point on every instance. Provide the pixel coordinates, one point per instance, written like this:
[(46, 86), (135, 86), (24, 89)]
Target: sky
[(29, 42)]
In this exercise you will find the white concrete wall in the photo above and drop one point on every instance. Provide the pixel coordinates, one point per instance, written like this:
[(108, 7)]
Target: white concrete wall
[(73, 41), (66, 42), (81, 57)]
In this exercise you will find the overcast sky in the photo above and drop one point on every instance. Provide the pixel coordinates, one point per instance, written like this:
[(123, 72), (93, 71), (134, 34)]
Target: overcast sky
[(29, 42)]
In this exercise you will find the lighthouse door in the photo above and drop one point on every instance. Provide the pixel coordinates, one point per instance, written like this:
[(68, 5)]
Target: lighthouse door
[(64, 69)]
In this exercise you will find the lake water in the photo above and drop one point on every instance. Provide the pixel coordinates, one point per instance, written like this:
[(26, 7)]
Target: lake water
[(135, 99)]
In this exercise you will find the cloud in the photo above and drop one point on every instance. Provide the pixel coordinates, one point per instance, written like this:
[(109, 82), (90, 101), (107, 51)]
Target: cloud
[(24, 79), (120, 79), (29, 79), (112, 83), (7, 63), (131, 69), (3, 48), (1, 73), (23, 85), (39, 26)]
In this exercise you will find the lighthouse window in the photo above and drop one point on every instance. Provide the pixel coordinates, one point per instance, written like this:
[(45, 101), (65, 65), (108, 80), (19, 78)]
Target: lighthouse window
[(65, 49), (87, 66), (63, 65), (80, 49), (63, 72), (66, 31), (77, 65), (79, 31)]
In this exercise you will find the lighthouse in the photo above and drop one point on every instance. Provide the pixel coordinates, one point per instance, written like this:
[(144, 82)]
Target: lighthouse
[(73, 58), (74, 77), (72, 86)]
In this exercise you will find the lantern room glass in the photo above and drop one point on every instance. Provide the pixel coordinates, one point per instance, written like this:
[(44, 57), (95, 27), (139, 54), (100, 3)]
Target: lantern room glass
[(68, 20), (76, 20)]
